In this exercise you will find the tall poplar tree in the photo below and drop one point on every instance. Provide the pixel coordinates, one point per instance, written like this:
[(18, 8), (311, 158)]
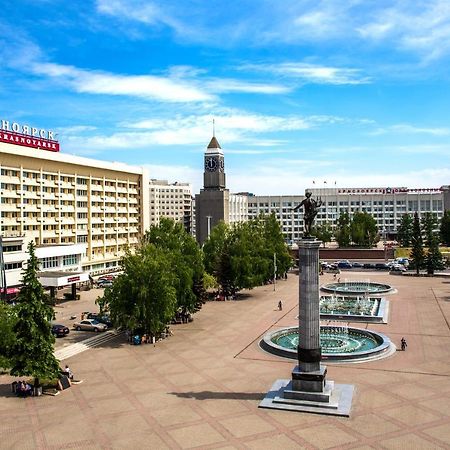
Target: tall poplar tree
[(32, 353), (434, 260), (417, 253), (404, 231), (445, 228)]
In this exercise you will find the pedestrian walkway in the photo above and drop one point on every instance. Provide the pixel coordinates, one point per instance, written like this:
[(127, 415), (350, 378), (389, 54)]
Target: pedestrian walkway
[(79, 347)]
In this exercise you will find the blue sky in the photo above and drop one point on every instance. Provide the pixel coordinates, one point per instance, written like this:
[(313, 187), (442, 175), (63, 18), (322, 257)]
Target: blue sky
[(354, 93)]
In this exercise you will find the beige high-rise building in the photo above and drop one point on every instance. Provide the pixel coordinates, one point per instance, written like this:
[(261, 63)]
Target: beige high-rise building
[(173, 201), (58, 199)]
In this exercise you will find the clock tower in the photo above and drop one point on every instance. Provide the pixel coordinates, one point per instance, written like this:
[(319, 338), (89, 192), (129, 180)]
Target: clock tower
[(212, 205), (214, 172)]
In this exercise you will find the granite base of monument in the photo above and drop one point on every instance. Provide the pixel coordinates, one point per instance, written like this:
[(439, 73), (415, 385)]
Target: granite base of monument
[(310, 392)]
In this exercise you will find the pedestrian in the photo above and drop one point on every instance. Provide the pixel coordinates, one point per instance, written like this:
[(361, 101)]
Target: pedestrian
[(339, 280), (280, 305), (403, 344)]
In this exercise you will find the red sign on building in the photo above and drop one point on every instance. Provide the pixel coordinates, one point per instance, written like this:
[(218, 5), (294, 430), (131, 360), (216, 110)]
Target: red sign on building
[(29, 141)]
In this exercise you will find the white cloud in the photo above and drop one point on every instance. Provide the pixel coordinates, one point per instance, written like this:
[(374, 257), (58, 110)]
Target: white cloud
[(229, 85), (411, 129), (294, 180), (146, 12), (144, 86), (313, 73), (422, 27), (236, 127), (179, 86)]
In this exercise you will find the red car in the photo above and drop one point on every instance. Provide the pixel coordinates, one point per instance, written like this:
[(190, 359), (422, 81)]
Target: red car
[(60, 330)]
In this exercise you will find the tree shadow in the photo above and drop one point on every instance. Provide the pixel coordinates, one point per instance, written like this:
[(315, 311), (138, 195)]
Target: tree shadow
[(5, 390), (207, 395)]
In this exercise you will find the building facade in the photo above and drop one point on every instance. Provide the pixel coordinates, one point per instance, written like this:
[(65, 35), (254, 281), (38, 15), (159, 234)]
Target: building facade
[(57, 199), (173, 201), (386, 205)]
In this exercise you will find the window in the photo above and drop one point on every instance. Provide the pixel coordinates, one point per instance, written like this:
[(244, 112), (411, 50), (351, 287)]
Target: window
[(70, 260), (47, 263), (12, 248), (11, 266)]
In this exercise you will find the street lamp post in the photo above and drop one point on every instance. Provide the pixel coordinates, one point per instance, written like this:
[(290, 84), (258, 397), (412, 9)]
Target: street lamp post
[(208, 218), (274, 271)]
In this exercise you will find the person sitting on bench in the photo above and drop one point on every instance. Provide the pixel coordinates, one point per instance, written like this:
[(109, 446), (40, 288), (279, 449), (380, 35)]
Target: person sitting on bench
[(23, 389), (68, 372)]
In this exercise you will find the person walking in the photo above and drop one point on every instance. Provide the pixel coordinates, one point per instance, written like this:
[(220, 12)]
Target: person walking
[(403, 344), (280, 305)]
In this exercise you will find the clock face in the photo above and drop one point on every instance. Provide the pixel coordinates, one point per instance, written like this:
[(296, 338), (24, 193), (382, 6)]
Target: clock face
[(222, 165), (211, 164)]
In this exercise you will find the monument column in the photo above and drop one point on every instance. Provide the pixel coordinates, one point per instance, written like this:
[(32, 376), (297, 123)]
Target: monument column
[(308, 390), (309, 350)]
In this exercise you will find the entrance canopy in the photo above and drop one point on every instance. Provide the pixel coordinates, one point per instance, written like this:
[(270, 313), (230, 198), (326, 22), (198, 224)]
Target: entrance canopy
[(59, 278)]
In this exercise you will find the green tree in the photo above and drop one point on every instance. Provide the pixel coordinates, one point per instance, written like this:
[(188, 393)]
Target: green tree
[(242, 256), (186, 260), (342, 233), (143, 299), (430, 226), (417, 253), (323, 232), (445, 228), (7, 322), (434, 260), (364, 230), (32, 352), (274, 244), (404, 231)]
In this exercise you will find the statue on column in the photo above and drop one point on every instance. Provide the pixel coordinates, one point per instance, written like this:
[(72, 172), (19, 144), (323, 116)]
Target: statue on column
[(310, 210)]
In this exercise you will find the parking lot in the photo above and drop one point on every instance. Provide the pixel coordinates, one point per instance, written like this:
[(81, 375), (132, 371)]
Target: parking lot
[(69, 311)]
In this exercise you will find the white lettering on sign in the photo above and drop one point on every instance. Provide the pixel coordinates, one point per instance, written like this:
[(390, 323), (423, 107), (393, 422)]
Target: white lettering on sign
[(6, 125)]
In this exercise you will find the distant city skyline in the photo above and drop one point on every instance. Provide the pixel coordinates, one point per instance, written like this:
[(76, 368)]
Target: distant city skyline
[(353, 93)]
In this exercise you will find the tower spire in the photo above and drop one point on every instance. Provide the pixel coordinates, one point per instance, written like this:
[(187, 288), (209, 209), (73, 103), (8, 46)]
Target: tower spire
[(214, 128)]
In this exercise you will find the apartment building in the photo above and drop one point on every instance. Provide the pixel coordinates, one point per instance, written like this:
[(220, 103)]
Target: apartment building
[(173, 201), (386, 205), (60, 200)]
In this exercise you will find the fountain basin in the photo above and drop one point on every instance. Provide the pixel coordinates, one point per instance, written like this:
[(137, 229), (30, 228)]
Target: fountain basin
[(353, 308), (338, 343), (357, 288)]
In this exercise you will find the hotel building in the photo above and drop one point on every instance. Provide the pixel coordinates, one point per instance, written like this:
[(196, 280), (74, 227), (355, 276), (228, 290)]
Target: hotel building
[(81, 213), (386, 205)]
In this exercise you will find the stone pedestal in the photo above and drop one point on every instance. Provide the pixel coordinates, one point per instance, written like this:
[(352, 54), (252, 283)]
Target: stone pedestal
[(308, 390)]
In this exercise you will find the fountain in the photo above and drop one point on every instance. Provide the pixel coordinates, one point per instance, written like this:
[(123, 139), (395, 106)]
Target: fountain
[(359, 308), (339, 343), (352, 287)]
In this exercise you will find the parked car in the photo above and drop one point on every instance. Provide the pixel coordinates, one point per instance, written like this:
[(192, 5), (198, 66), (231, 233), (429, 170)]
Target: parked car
[(90, 325), (102, 319), (403, 261), (60, 330), (106, 278), (357, 264), (381, 266), (344, 264), (369, 266), (398, 268), (104, 283)]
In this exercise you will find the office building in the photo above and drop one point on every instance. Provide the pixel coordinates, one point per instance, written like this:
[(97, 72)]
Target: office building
[(386, 205)]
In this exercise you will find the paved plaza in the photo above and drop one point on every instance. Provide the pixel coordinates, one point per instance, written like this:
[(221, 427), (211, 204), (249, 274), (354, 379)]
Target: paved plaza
[(201, 387)]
